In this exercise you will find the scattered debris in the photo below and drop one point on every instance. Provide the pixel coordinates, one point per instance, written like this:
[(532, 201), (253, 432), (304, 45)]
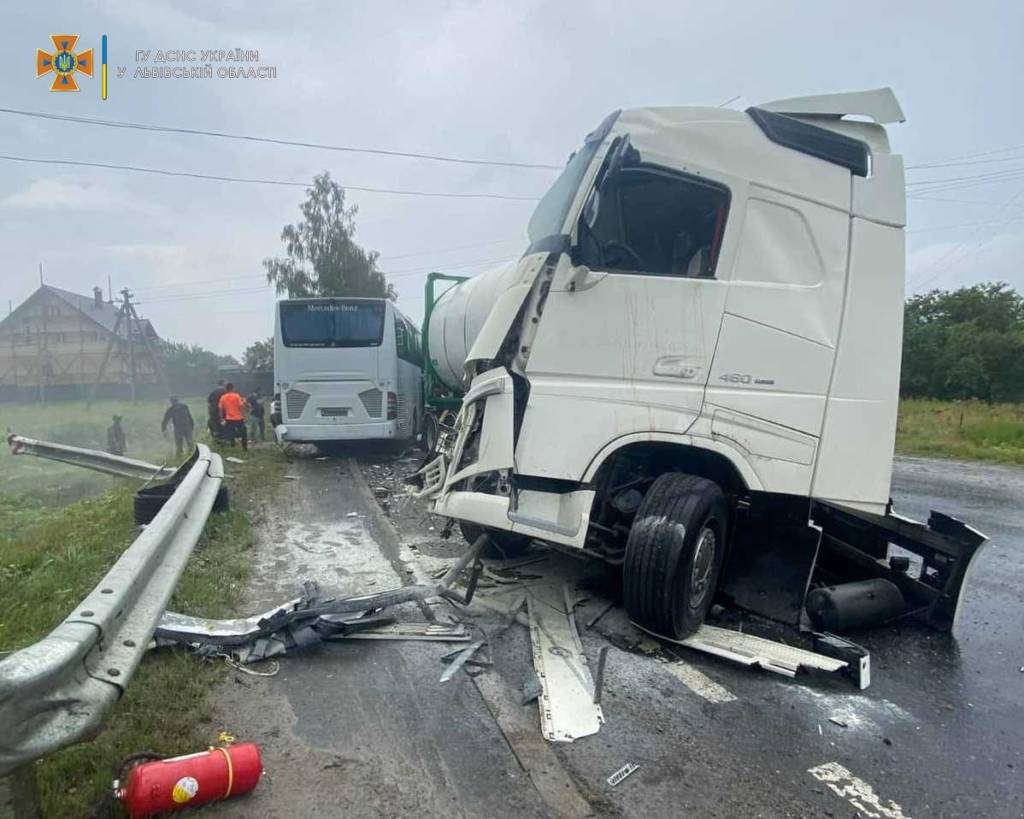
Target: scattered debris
[(351, 514), (231, 459), (461, 658), (290, 477), (839, 722), (626, 770), (593, 620), (602, 658), (567, 707), (757, 651), (405, 630), (310, 619), (531, 689)]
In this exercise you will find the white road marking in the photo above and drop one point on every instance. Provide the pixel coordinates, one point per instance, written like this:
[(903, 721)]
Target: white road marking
[(856, 791), (699, 682)]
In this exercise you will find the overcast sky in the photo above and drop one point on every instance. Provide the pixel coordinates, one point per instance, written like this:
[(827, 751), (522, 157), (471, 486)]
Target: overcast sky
[(518, 81)]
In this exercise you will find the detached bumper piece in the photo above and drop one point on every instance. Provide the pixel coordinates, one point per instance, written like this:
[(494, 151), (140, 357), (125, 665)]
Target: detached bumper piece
[(847, 569), (928, 564)]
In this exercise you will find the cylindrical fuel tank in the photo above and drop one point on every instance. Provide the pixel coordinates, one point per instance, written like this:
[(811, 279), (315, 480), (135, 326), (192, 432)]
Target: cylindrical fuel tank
[(457, 318), (853, 605)]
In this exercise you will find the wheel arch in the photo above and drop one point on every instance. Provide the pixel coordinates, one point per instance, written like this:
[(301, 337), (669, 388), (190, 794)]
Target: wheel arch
[(705, 458)]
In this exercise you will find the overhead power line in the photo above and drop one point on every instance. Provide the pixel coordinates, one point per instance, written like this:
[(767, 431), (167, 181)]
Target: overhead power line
[(255, 181), (294, 143)]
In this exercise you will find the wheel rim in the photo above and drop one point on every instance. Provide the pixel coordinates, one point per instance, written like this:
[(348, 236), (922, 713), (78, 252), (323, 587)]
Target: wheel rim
[(703, 566)]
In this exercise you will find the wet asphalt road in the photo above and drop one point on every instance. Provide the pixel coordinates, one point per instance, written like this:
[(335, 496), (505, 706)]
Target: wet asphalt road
[(366, 729)]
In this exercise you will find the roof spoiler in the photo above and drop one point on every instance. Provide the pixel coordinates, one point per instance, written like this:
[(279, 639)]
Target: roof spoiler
[(878, 104)]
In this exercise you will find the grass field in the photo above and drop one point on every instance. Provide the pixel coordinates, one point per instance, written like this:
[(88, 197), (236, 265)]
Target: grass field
[(28, 485), (968, 430), (61, 528)]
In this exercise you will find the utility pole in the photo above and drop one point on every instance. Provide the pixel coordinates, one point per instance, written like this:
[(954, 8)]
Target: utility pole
[(134, 333), (126, 309)]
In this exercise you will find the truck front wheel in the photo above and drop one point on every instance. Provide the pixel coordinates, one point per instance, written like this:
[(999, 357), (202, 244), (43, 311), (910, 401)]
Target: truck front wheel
[(674, 554), (499, 545)]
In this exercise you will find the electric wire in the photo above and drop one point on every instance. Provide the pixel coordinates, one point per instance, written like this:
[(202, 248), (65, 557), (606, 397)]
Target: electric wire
[(140, 126), (256, 181)]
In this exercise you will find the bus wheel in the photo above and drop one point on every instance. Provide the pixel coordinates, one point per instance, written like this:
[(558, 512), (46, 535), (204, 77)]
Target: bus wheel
[(674, 554), (430, 433), (499, 545)]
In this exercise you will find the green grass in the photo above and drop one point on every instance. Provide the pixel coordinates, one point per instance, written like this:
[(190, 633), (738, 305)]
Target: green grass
[(28, 483), (50, 557), (969, 430)]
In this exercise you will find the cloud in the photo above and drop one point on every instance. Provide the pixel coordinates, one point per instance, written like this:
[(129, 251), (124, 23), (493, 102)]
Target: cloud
[(42, 194)]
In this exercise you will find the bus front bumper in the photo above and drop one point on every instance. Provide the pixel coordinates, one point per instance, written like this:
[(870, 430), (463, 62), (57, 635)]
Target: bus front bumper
[(318, 433)]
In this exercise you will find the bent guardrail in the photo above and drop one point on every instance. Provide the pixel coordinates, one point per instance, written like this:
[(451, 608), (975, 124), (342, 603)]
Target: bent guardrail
[(88, 458), (54, 693)]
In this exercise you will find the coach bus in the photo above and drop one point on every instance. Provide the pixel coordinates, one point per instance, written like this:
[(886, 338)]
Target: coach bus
[(346, 369)]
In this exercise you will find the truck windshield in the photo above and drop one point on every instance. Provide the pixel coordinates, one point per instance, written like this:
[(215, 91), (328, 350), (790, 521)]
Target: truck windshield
[(549, 216), (332, 323)]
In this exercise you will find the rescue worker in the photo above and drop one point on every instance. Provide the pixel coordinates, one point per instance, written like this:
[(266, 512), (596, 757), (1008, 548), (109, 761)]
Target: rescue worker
[(179, 416), (257, 421), (213, 410), (117, 444), (232, 413)]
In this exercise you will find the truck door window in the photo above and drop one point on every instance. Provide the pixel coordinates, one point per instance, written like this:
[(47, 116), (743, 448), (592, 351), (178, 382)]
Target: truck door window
[(650, 221)]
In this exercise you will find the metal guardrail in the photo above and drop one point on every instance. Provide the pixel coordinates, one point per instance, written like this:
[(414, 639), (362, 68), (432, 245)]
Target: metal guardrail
[(54, 693), (89, 458)]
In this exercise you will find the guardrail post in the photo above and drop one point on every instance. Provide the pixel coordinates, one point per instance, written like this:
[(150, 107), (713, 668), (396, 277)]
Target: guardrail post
[(19, 794)]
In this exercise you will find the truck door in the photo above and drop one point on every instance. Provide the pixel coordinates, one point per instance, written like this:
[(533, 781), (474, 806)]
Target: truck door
[(627, 347)]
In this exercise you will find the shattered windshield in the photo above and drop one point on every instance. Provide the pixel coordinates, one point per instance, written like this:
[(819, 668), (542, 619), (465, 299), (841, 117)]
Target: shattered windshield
[(549, 215)]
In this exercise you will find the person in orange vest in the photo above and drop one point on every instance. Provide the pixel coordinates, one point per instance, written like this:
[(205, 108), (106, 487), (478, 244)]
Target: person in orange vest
[(232, 411)]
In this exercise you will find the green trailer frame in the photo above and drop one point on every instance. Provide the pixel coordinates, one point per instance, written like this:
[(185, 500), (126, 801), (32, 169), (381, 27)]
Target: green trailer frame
[(431, 380)]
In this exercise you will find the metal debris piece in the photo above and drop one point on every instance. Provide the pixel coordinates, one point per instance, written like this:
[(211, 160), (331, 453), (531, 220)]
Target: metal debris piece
[(435, 632), (460, 660), (567, 707), (757, 651), (531, 689), (231, 459), (622, 773), (602, 658), (309, 620), (839, 722), (593, 620)]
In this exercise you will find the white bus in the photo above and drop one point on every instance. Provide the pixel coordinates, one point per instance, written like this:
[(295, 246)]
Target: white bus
[(346, 369)]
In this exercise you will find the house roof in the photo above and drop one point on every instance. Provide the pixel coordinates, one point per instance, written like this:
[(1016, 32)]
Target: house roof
[(103, 314)]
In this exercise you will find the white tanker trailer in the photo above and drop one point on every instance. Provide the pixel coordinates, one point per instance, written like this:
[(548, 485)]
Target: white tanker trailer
[(693, 371)]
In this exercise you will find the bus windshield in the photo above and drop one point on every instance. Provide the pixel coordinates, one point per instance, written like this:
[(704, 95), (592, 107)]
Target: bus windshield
[(332, 323)]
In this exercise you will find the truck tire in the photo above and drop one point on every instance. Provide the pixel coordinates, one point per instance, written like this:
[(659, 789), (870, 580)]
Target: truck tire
[(499, 545), (674, 554)]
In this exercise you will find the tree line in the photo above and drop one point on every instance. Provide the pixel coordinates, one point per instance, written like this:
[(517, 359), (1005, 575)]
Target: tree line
[(964, 344)]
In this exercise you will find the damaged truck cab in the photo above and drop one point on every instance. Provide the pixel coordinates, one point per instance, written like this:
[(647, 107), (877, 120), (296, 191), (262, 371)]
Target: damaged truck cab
[(693, 370)]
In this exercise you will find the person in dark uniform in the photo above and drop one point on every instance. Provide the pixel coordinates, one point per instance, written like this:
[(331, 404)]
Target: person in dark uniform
[(117, 444), (257, 420), (179, 416), (213, 411)]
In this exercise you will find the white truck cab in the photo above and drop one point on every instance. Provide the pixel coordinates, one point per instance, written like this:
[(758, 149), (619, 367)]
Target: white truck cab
[(701, 342)]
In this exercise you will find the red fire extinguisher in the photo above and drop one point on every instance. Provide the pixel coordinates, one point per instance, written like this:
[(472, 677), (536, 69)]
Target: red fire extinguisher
[(171, 784)]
